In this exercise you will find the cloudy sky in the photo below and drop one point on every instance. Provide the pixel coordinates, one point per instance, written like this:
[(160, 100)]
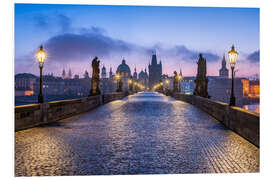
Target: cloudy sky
[(73, 35)]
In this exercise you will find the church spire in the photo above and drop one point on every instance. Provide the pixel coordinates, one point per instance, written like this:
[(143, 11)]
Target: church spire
[(110, 74), (135, 74), (103, 72), (69, 74), (223, 72), (63, 74), (223, 61)]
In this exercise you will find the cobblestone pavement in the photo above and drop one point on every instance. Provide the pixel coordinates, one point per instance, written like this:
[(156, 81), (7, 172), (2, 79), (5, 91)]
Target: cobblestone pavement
[(146, 133)]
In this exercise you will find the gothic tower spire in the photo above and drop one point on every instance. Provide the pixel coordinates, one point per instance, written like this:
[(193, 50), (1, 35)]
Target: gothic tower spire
[(223, 72), (63, 74)]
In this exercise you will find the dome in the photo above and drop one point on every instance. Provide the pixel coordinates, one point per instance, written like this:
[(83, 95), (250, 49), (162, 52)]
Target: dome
[(123, 68), (143, 75)]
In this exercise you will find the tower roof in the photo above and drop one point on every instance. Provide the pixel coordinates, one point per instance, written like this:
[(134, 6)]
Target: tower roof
[(154, 59)]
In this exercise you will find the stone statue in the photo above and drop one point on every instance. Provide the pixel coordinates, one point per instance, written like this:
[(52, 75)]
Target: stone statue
[(175, 82), (201, 79), (201, 71), (95, 78)]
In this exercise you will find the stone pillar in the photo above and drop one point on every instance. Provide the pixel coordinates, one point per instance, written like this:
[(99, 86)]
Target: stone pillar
[(95, 90), (201, 79)]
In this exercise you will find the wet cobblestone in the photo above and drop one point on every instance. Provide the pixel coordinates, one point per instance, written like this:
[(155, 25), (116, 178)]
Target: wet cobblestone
[(146, 133)]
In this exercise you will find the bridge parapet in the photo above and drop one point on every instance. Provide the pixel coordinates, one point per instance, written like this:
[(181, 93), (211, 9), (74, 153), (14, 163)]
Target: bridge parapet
[(243, 122), (113, 96), (28, 116)]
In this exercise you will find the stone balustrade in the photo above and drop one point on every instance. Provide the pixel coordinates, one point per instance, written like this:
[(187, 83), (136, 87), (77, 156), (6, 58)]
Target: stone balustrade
[(28, 116), (243, 122)]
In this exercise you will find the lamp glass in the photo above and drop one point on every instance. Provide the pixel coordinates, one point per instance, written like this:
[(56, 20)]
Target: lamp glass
[(117, 76), (41, 56), (232, 56)]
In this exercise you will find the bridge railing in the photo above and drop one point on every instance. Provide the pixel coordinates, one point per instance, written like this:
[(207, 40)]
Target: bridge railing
[(28, 116), (243, 122)]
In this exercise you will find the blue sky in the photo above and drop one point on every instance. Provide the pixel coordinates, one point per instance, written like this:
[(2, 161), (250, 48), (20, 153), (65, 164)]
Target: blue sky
[(74, 34)]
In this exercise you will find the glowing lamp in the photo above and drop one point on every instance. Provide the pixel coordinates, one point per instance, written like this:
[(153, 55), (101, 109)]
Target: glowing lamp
[(117, 76), (41, 56), (232, 56)]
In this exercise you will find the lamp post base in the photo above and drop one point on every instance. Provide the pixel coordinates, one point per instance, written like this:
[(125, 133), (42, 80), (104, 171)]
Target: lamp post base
[(232, 101), (40, 98)]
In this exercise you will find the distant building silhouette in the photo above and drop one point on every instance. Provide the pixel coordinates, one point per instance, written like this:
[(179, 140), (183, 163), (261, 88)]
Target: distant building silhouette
[(224, 72), (124, 70), (76, 76), (111, 73), (143, 78), (103, 72), (24, 84), (86, 75), (155, 71), (135, 76)]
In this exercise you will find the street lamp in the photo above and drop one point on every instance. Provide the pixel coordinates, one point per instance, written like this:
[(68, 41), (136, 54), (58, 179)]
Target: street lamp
[(119, 82), (180, 78), (40, 55), (130, 83), (232, 58)]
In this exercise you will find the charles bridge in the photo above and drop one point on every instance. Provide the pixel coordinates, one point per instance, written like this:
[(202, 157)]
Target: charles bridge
[(142, 132)]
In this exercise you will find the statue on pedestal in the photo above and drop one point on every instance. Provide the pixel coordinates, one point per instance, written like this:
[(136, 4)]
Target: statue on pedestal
[(201, 79), (95, 78), (175, 82)]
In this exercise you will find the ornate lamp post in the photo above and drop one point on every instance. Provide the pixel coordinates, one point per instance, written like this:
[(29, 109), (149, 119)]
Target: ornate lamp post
[(136, 86), (130, 81), (232, 58), (180, 78), (161, 86), (40, 55)]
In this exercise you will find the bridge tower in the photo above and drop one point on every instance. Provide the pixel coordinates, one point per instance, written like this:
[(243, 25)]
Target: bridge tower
[(155, 71)]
